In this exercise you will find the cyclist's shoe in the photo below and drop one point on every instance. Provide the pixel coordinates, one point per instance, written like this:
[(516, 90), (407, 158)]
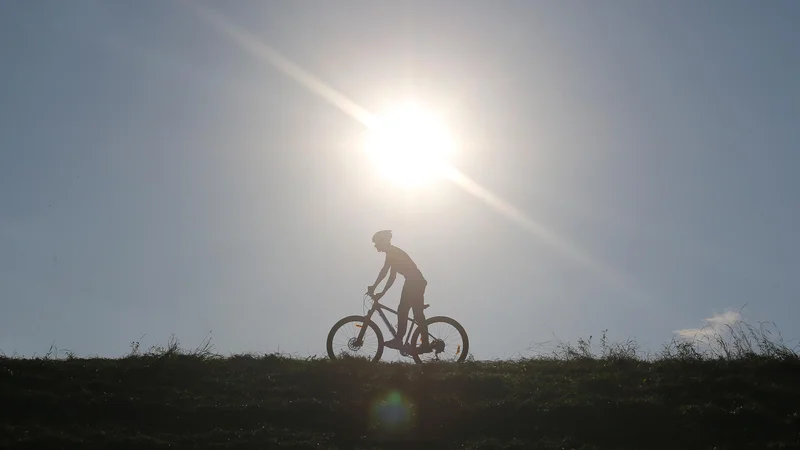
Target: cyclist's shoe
[(425, 348), (395, 343)]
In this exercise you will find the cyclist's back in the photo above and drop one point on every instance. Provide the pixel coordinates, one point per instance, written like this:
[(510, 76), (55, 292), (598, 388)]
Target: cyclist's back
[(405, 266)]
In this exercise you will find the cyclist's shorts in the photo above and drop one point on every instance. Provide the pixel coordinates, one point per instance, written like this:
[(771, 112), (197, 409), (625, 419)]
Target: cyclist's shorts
[(413, 291)]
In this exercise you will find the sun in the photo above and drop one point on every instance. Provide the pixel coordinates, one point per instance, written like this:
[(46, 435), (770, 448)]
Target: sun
[(409, 146)]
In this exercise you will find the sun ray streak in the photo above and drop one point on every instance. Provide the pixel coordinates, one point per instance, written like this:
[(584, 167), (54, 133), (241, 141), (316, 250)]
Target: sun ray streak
[(567, 249), (249, 42), (341, 101)]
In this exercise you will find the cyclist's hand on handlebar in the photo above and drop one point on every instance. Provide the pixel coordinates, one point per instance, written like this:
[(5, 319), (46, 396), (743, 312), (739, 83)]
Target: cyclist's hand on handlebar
[(370, 290)]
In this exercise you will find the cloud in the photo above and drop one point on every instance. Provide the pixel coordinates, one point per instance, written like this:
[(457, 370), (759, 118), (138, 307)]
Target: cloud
[(714, 325)]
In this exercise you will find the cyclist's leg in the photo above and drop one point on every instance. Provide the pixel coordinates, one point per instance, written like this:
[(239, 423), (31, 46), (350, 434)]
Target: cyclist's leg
[(418, 305), (402, 319)]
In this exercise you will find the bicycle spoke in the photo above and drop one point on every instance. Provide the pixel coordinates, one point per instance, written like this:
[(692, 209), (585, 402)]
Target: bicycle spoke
[(446, 341), (344, 341)]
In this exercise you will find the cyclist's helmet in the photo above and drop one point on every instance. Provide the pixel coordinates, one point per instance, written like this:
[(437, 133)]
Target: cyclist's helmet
[(382, 236)]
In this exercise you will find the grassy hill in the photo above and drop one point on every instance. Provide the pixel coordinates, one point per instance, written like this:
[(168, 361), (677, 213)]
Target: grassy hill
[(573, 399)]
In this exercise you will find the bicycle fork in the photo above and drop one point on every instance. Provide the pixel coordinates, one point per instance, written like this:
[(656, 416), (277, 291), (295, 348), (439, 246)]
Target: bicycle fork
[(363, 328)]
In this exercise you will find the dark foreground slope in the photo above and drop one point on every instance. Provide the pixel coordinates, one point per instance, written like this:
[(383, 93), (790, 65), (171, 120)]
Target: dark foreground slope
[(179, 401)]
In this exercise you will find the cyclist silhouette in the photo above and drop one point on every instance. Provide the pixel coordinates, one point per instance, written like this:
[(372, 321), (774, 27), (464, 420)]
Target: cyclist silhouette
[(413, 294)]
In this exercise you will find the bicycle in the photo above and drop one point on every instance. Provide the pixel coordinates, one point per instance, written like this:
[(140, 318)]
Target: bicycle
[(439, 346)]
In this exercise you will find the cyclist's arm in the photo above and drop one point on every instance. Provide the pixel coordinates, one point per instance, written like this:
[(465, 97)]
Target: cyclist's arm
[(381, 274), (390, 281)]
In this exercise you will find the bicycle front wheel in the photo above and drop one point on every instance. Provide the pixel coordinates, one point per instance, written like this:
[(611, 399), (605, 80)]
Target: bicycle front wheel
[(343, 339), (448, 339)]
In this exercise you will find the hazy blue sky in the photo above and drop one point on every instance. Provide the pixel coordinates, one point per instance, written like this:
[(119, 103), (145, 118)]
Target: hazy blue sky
[(156, 177)]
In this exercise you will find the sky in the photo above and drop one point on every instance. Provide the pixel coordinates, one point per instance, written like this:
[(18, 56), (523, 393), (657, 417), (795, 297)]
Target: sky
[(632, 167)]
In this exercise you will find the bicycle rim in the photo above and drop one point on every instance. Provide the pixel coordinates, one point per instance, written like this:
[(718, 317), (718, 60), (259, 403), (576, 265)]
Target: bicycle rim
[(447, 337), (342, 342)]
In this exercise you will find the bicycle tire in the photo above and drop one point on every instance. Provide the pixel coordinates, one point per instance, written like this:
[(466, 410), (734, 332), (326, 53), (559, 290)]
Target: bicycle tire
[(445, 319), (359, 319)]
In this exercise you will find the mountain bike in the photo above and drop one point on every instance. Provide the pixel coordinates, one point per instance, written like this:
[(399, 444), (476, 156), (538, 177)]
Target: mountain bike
[(362, 338)]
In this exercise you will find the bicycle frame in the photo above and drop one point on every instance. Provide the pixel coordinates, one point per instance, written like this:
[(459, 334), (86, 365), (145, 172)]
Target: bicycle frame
[(379, 307)]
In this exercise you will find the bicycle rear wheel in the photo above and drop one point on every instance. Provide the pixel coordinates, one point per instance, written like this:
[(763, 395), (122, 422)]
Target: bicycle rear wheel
[(342, 342), (448, 340)]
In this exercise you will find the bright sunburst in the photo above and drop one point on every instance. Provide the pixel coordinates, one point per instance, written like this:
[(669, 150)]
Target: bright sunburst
[(409, 146)]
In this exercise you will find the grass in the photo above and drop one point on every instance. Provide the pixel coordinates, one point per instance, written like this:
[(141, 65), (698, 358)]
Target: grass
[(733, 390)]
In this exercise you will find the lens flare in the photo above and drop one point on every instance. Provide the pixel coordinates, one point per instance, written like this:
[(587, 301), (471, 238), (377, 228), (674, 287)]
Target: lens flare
[(392, 412)]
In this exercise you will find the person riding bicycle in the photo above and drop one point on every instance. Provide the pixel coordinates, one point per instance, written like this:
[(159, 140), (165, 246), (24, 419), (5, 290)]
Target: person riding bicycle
[(413, 293)]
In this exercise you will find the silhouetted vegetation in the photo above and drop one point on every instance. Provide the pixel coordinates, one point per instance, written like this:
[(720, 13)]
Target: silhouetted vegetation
[(733, 390)]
